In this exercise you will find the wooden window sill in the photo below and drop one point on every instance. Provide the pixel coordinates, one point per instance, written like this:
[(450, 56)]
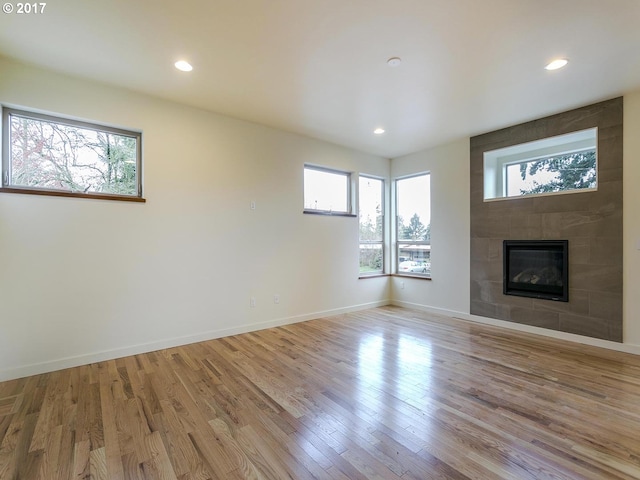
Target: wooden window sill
[(52, 193)]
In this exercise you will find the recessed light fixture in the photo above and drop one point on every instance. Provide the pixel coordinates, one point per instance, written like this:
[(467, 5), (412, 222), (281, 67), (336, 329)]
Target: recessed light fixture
[(183, 66), (379, 131), (556, 64), (394, 61)]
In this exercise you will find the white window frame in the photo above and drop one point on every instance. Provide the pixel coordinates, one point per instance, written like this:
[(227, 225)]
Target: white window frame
[(7, 186), (380, 242), (496, 162), (349, 189), (398, 241)]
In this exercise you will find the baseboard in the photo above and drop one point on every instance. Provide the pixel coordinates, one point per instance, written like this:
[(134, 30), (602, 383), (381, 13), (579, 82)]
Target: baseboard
[(427, 308), (594, 342), (75, 361)]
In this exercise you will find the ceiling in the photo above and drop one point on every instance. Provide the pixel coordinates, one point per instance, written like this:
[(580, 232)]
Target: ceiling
[(319, 67)]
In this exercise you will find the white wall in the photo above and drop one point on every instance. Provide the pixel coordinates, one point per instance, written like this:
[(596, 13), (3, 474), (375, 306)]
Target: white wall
[(631, 227), (449, 288), (83, 280)]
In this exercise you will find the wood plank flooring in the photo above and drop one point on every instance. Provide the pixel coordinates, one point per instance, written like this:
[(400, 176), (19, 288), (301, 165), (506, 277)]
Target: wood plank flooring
[(386, 393)]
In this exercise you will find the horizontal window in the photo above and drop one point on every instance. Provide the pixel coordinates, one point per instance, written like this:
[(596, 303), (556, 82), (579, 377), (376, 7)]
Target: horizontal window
[(57, 156), (558, 164), (327, 191), (572, 171)]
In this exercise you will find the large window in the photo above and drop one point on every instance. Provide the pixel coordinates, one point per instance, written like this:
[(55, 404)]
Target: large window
[(570, 171), (57, 156), (561, 164), (371, 213), (413, 225), (327, 191)]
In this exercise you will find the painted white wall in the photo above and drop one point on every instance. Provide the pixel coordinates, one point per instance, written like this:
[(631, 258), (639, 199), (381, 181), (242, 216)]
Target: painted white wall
[(450, 235), (631, 219), (449, 166), (83, 280)]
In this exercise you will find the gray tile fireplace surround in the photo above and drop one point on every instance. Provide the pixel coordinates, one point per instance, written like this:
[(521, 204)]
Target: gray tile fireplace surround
[(590, 221)]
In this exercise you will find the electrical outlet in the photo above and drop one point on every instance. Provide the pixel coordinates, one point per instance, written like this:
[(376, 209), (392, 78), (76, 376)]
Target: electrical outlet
[(252, 205), (252, 302), (276, 298), (401, 285)]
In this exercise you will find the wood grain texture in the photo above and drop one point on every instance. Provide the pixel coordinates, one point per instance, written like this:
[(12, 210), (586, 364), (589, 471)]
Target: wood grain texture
[(386, 393)]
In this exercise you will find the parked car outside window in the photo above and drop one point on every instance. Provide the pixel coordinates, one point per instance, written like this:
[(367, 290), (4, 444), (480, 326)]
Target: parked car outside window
[(414, 267)]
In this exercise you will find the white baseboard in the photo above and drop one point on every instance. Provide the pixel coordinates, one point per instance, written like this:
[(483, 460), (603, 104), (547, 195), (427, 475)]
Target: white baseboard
[(85, 359), (75, 361), (427, 308), (595, 342)]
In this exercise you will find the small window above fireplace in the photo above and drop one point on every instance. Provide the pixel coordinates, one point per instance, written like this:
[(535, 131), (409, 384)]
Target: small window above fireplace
[(550, 166), (536, 268)]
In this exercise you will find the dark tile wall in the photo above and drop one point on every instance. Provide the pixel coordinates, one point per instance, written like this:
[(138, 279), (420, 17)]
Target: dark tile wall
[(591, 221)]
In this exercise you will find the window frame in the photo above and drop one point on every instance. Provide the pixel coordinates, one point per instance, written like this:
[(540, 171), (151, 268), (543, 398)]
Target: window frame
[(349, 192), (506, 165), (496, 162), (380, 242), (6, 160), (396, 230)]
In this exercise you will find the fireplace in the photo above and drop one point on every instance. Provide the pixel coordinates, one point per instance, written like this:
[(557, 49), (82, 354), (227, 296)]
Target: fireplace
[(536, 268)]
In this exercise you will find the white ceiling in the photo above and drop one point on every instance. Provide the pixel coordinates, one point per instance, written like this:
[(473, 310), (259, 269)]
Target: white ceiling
[(318, 67)]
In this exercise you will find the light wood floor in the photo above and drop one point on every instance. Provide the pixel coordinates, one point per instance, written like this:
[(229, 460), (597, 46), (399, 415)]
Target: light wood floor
[(386, 393)]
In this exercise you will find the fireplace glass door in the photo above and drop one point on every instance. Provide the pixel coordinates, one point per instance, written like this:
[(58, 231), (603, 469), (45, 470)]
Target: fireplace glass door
[(537, 269)]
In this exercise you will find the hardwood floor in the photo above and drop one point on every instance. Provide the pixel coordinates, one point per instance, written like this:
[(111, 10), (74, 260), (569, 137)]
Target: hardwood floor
[(386, 393)]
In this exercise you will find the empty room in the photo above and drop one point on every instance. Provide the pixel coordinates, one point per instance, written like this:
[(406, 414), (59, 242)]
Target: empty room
[(294, 239)]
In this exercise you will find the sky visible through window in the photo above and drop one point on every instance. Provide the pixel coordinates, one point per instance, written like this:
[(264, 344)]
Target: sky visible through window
[(414, 196), (516, 184), (46, 154), (370, 197), (324, 190)]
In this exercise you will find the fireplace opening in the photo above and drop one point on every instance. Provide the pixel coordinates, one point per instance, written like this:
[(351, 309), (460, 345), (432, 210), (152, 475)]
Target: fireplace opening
[(536, 268)]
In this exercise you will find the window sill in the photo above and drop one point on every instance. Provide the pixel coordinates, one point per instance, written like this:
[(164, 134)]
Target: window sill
[(53, 193), (329, 214), (408, 275), (374, 275)]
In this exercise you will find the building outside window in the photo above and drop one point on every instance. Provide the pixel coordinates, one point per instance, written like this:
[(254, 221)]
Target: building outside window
[(413, 225), (371, 219)]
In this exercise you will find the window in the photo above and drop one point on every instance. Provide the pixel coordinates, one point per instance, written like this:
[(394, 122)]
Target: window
[(327, 191), (570, 171), (50, 155), (413, 225), (371, 211), (565, 163)]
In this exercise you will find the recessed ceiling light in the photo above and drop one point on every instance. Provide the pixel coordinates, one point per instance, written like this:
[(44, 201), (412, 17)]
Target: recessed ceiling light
[(379, 131), (394, 61), (556, 64), (184, 66)]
